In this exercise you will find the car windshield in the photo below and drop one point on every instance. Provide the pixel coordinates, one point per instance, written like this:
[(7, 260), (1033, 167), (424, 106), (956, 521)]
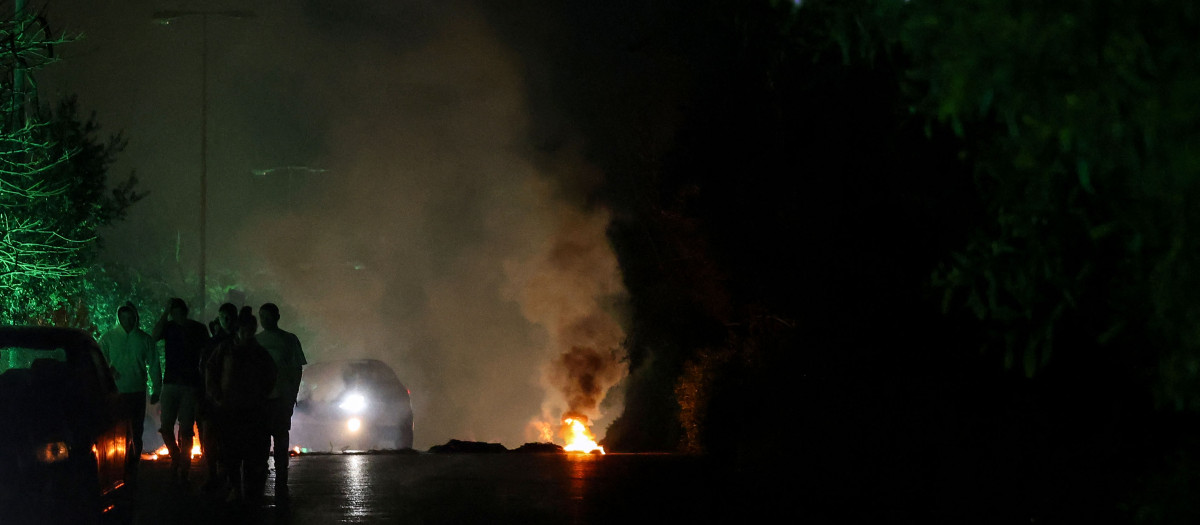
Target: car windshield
[(18, 358)]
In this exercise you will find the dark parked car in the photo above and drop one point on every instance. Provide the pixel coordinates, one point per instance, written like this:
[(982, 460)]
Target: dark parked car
[(62, 442), (352, 405)]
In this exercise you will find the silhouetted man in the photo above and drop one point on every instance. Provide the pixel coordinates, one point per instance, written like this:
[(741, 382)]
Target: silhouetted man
[(184, 338), (223, 328), (132, 358), (285, 351), (240, 375)]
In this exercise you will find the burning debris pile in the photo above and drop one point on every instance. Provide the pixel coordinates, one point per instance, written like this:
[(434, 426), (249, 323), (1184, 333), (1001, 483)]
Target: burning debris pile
[(574, 290), (577, 435)]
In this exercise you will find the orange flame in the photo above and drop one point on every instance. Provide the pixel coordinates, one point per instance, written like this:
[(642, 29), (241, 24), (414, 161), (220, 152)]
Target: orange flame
[(162, 452), (577, 435)]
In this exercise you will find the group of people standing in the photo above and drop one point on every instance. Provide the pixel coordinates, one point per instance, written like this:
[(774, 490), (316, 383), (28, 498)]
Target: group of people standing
[(237, 384)]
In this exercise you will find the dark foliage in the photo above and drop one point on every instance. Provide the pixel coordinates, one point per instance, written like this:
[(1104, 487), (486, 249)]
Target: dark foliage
[(88, 201), (924, 260)]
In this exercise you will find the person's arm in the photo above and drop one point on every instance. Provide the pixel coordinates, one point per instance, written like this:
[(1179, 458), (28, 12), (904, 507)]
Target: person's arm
[(297, 367), (161, 326), (300, 359), (151, 353), (272, 375), (267, 371), (106, 351), (202, 331), (212, 374), (105, 344)]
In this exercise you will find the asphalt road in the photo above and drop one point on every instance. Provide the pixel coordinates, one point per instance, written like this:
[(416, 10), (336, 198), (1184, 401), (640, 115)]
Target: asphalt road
[(457, 488)]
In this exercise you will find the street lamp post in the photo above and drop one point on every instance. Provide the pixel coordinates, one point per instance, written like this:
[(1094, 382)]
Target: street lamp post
[(165, 18)]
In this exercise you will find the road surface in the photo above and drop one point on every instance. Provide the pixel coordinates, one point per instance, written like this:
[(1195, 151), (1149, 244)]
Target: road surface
[(426, 488)]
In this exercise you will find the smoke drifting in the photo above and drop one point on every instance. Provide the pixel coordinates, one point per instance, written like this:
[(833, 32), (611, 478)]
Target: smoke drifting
[(422, 235), (441, 250)]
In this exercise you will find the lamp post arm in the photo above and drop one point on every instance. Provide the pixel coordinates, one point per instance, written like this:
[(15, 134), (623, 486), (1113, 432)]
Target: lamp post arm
[(166, 17)]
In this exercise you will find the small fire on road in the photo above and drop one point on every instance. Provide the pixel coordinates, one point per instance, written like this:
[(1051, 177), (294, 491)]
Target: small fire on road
[(162, 452)]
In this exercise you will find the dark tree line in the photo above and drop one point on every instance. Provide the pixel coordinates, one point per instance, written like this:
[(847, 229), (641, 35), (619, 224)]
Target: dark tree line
[(920, 259)]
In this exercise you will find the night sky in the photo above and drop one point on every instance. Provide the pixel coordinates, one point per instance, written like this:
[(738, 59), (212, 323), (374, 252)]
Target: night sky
[(410, 219)]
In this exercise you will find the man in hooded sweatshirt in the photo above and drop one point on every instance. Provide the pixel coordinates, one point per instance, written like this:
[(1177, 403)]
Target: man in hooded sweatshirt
[(133, 359)]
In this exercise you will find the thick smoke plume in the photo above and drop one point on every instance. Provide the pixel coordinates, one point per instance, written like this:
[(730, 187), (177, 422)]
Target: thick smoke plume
[(574, 290), (583, 375)]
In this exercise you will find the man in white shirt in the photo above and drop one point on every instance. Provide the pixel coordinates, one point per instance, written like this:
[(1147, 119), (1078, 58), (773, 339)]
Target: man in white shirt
[(285, 350), (132, 358)]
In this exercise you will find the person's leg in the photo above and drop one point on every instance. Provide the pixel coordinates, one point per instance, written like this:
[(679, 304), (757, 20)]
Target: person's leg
[(134, 405), (281, 463), (235, 469), (169, 401), (210, 443), (187, 420), (260, 451), (138, 413), (236, 448), (280, 421), (224, 435)]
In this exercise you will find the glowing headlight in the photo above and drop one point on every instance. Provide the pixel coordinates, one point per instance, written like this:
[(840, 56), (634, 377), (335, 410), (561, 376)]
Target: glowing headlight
[(51, 452), (354, 403), (353, 424)]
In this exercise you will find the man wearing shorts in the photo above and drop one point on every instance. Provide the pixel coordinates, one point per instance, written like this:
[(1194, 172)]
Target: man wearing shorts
[(184, 338)]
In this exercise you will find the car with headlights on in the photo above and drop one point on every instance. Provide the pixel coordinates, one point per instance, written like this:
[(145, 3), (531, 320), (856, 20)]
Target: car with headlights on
[(356, 404), (62, 438)]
